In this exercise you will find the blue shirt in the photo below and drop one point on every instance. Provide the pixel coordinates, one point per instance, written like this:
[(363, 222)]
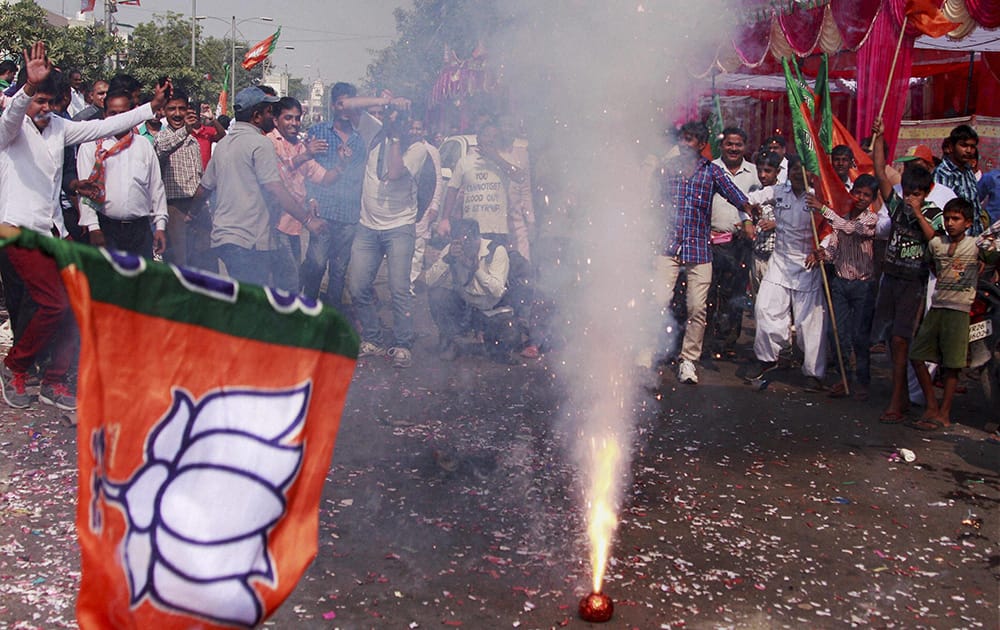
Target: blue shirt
[(690, 198), (989, 194), (341, 200)]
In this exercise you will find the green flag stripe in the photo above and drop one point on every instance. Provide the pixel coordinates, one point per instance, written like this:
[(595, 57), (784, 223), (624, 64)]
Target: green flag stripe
[(823, 109), (797, 100), (159, 290)]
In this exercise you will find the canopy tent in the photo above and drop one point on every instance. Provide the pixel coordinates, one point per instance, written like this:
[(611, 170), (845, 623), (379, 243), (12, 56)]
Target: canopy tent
[(861, 36)]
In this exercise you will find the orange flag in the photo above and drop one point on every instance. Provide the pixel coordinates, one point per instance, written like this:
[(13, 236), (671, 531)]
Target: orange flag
[(927, 18), (862, 161), (208, 412)]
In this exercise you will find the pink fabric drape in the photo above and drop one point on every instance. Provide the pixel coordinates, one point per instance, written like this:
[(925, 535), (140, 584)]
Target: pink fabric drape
[(985, 12), (874, 61), (801, 28), (751, 43), (854, 18)]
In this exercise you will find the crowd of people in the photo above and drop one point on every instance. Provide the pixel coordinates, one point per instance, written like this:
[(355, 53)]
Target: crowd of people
[(258, 199), (902, 260), (320, 211)]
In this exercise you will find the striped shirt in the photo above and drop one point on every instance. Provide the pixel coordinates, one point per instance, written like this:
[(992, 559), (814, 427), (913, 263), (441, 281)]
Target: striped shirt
[(851, 245), (690, 199)]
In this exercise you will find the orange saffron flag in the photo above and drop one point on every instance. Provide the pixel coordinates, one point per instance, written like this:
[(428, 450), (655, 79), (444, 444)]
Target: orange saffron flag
[(208, 412), (926, 17)]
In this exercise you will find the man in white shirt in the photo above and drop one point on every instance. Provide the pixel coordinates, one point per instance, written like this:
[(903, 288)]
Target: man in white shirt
[(387, 229), (792, 285), (731, 242), (133, 196), (483, 178), (78, 100), (778, 144), (468, 279), (31, 161)]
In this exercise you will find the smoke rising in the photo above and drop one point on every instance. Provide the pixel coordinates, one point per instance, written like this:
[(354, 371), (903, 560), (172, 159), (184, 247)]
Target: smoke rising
[(598, 83)]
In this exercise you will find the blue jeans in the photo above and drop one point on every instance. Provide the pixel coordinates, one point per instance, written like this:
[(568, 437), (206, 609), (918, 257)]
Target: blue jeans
[(370, 247), (286, 263), (246, 265), (854, 306), (331, 249)]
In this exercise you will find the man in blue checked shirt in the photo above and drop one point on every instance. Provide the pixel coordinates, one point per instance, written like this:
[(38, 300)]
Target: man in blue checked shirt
[(349, 138), (688, 185)]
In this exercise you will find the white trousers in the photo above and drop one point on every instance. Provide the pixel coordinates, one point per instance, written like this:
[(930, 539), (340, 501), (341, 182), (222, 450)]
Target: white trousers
[(775, 306)]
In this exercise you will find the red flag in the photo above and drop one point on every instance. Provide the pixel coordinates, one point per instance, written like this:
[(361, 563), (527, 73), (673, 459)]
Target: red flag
[(261, 51), (200, 473), (862, 161), (87, 5), (926, 17)]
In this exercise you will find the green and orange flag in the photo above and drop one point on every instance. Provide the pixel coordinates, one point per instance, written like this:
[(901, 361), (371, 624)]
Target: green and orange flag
[(223, 105), (261, 50), (811, 151), (208, 412)]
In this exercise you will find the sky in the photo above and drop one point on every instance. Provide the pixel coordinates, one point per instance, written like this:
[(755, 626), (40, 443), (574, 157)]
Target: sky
[(330, 45)]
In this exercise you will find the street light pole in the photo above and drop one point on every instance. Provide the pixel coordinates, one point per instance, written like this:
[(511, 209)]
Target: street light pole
[(194, 30)]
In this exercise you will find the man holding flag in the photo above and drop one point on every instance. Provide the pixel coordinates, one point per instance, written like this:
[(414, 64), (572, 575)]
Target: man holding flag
[(792, 284), (801, 253)]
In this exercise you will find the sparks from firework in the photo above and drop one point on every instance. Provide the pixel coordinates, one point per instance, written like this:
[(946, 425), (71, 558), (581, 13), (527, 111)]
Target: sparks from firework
[(604, 487)]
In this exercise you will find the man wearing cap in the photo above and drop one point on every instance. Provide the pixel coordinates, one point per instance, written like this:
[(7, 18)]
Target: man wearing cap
[(920, 155), (244, 175)]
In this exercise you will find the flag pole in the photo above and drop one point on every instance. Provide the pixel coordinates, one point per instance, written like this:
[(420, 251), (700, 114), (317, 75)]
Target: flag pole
[(892, 68), (829, 298)]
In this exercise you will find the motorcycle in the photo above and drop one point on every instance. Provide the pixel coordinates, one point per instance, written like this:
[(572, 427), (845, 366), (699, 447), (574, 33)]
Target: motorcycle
[(984, 346)]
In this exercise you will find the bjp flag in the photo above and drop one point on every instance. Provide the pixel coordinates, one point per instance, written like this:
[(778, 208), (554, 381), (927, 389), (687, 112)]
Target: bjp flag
[(208, 411)]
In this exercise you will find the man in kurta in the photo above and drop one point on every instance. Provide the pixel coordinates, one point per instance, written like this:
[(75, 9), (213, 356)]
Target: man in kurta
[(792, 285)]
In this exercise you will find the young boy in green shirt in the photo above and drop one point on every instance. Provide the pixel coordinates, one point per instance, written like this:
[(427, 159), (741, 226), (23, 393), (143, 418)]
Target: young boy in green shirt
[(943, 337)]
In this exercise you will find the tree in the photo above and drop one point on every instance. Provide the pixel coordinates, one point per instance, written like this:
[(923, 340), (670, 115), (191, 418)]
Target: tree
[(22, 24), (86, 48), (162, 48)]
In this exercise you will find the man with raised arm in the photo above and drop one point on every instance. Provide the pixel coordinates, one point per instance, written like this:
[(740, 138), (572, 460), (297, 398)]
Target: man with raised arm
[(31, 160)]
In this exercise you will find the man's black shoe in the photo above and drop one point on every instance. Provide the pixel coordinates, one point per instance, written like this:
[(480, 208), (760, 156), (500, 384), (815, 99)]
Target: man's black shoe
[(762, 368)]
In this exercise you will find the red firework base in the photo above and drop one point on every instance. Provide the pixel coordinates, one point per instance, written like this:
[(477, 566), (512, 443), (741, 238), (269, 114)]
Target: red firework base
[(596, 607)]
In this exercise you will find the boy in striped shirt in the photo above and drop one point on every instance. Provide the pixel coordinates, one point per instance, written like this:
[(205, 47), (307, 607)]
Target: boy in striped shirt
[(852, 289)]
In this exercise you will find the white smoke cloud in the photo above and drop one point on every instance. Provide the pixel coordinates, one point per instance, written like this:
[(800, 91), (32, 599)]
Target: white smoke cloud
[(598, 83)]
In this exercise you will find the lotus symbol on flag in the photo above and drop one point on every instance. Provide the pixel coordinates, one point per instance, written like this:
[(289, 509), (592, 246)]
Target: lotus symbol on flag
[(201, 506)]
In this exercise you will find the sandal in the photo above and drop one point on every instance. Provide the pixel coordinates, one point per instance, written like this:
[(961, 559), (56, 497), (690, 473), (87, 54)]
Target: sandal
[(892, 417), (837, 391), (927, 424)]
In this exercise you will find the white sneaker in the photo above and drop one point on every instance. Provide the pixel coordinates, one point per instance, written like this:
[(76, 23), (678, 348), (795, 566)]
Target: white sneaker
[(369, 349), (686, 373), (401, 357)]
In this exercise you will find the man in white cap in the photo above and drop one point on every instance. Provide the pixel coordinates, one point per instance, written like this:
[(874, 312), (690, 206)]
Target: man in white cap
[(244, 175)]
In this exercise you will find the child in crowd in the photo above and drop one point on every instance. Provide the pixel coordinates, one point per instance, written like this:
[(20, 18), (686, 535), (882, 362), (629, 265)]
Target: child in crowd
[(853, 286), (768, 168), (904, 270), (943, 337)]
